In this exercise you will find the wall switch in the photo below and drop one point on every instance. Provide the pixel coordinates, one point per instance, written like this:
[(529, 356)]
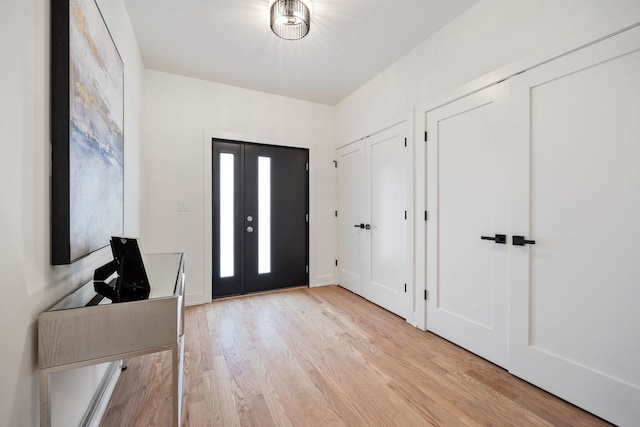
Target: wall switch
[(182, 206)]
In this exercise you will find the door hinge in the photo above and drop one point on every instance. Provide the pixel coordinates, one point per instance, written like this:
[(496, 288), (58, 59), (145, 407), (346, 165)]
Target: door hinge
[(335, 163), (336, 214), (405, 214), (306, 217), (306, 166), (336, 263), (426, 136), (405, 288), (405, 142), (426, 215), (426, 295), (306, 269)]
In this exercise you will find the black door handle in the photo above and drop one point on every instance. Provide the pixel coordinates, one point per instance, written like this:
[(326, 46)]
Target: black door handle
[(499, 238), (521, 241), (359, 226), (367, 226)]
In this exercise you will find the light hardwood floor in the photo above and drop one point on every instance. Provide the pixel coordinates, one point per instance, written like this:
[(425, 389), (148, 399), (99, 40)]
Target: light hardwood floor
[(324, 356)]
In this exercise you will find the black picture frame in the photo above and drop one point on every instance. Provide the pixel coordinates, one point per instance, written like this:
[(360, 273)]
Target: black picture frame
[(87, 132)]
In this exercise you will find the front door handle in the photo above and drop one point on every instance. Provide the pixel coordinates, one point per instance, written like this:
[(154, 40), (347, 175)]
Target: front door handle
[(521, 241), (359, 226), (499, 238)]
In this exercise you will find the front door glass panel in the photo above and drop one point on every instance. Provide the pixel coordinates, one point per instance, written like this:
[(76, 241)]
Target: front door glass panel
[(264, 215), (227, 213)]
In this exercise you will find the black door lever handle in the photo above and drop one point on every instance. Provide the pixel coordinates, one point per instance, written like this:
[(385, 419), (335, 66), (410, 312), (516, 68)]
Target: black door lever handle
[(521, 241), (499, 238), (359, 226)]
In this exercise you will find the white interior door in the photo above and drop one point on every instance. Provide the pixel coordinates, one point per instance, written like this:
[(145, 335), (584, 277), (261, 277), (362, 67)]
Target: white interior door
[(351, 239), (374, 183), (388, 180), (467, 198), (575, 295)]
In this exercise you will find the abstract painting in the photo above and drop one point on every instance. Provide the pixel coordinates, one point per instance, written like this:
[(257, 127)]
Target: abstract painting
[(87, 111)]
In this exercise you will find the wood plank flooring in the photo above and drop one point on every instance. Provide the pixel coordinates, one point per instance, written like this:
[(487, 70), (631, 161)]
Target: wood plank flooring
[(326, 357)]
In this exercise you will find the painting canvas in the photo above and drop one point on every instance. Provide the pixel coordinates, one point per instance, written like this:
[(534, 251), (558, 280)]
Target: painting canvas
[(87, 132)]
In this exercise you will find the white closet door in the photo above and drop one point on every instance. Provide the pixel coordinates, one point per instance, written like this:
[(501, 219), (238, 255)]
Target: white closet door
[(575, 294), (374, 183), (387, 180), (352, 240), (467, 197)]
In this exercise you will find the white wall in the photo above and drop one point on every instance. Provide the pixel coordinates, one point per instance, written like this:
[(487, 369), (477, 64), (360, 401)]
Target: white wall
[(181, 115), (29, 283), (490, 35)]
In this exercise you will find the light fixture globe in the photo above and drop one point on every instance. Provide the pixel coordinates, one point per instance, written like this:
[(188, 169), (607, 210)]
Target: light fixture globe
[(290, 19)]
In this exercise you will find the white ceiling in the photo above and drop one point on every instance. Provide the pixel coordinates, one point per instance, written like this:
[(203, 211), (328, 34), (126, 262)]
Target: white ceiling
[(229, 41)]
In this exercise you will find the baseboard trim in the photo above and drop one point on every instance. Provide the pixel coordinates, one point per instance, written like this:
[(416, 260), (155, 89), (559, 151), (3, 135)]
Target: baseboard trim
[(100, 401), (322, 281)]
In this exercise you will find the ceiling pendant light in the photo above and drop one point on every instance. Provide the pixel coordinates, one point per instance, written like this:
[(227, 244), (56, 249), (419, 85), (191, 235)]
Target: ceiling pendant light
[(290, 19)]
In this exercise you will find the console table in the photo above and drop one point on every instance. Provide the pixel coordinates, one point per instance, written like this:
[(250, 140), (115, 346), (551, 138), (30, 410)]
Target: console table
[(72, 334)]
